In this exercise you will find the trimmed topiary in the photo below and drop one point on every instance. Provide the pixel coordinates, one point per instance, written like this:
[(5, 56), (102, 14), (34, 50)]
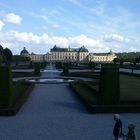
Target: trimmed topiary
[(37, 68), (6, 87), (109, 86), (43, 64), (66, 68), (59, 65)]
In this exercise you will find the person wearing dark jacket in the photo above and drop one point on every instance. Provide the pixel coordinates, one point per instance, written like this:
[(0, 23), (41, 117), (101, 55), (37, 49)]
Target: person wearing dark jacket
[(117, 131)]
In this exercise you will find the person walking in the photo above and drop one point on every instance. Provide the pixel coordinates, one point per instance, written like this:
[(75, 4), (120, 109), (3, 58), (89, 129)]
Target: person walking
[(117, 130), (131, 135)]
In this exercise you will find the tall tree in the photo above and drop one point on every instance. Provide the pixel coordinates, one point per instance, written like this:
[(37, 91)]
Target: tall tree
[(8, 56), (1, 54), (1, 50)]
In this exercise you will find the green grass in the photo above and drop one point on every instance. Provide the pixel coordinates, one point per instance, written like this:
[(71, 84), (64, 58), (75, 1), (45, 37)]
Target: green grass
[(94, 85), (19, 89), (130, 88), (130, 95), (87, 74), (22, 74), (86, 93), (21, 92)]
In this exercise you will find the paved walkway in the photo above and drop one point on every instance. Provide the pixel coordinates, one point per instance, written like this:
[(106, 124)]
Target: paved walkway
[(54, 113), (130, 70)]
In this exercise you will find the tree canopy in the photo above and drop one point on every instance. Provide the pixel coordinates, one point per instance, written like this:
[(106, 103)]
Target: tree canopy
[(8, 55), (5, 55), (128, 57)]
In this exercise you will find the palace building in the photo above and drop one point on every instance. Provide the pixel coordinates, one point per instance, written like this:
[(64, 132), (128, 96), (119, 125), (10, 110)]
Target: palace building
[(68, 54), (102, 57), (58, 54)]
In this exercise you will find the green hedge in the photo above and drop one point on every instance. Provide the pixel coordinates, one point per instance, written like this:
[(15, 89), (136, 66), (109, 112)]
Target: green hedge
[(86, 93), (36, 69), (6, 87), (94, 75), (43, 64), (109, 86), (65, 68), (21, 92)]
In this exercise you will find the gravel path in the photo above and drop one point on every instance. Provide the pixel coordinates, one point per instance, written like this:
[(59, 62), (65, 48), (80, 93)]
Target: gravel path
[(54, 113)]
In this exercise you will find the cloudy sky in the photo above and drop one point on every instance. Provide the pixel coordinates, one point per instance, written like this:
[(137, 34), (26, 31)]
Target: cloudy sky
[(100, 25)]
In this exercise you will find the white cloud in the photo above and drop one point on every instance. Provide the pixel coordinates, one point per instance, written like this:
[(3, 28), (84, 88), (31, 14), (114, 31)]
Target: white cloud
[(60, 41), (115, 37), (84, 40), (42, 44), (44, 17), (27, 37), (76, 2), (13, 18), (1, 25), (55, 26)]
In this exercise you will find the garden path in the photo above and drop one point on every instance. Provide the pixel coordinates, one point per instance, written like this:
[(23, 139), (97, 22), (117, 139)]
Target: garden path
[(53, 112)]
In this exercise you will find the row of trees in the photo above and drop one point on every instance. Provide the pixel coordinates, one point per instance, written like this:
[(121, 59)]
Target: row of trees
[(132, 57), (128, 57), (18, 58)]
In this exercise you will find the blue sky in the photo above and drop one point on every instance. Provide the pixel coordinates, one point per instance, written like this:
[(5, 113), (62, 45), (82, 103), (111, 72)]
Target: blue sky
[(100, 25)]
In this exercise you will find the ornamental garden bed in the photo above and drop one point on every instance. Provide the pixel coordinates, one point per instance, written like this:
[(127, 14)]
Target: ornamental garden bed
[(22, 74), (21, 92), (129, 96), (87, 95), (87, 74)]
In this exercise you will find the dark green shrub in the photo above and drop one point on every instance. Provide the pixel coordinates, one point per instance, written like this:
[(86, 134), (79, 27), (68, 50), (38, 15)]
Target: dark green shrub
[(109, 86), (6, 87), (91, 65), (66, 68), (85, 93), (31, 64), (8, 56), (37, 68), (58, 65), (43, 65)]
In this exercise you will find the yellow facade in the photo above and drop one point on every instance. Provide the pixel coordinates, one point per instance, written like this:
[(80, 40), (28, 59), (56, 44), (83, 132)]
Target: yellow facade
[(102, 58), (72, 55)]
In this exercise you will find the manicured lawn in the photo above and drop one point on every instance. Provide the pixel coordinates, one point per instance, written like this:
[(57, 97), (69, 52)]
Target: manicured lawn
[(130, 88), (129, 96)]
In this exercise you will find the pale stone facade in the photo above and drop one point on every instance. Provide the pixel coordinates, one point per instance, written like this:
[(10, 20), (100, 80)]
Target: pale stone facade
[(108, 57), (70, 55), (37, 57)]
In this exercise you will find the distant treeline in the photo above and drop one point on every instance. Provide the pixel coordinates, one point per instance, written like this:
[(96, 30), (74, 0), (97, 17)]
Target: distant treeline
[(128, 57)]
